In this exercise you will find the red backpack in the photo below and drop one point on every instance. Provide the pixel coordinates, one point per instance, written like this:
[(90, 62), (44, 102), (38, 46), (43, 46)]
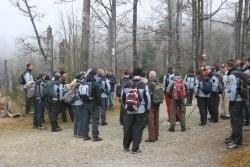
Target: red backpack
[(179, 90), (132, 98)]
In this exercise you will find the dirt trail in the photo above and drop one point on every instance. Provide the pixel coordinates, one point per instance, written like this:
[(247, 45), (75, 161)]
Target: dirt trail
[(198, 147)]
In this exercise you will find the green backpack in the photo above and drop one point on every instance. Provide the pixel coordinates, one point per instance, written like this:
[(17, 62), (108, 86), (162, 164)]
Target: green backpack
[(158, 94)]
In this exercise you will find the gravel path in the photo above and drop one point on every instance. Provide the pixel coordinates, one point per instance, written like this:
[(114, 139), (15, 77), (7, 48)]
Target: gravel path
[(198, 147)]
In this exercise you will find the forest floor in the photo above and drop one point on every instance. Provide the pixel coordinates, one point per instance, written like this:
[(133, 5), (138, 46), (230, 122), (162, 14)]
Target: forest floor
[(197, 147)]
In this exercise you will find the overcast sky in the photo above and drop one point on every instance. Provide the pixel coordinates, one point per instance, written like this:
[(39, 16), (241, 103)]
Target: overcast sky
[(14, 25)]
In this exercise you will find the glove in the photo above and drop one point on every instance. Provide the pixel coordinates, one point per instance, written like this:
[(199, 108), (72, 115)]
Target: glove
[(232, 103)]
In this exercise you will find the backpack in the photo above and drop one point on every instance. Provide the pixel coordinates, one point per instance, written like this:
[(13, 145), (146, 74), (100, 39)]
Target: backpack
[(167, 80), (22, 79), (243, 84), (38, 91), (221, 86), (85, 91), (133, 98), (190, 80), (69, 96), (105, 86), (54, 93), (158, 94), (206, 85), (179, 90), (30, 88), (120, 87)]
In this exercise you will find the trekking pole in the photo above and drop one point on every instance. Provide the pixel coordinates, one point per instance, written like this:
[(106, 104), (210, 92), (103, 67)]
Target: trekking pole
[(192, 111)]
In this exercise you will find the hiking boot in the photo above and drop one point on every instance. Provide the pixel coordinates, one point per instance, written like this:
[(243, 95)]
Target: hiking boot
[(137, 151), (35, 127), (95, 139), (86, 138), (126, 149), (150, 140), (42, 128), (104, 123), (183, 129), (233, 146), (171, 129), (57, 129)]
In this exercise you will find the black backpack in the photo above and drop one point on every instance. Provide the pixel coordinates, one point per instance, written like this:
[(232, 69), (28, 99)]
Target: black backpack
[(22, 79), (206, 85)]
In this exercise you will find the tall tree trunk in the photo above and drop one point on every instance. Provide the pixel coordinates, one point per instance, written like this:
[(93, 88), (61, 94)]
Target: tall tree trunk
[(194, 33), (202, 45), (112, 36), (85, 35), (244, 34), (238, 30), (170, 38), (178, 25), (136, 58)]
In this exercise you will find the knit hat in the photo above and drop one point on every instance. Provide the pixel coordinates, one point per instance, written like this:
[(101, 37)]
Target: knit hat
[(152, 76), (138, 72)]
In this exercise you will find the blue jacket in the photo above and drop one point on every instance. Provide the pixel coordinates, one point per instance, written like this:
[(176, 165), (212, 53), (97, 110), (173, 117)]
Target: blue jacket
[(233, 84)]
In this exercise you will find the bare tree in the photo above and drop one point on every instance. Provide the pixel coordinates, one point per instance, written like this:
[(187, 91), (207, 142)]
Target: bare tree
[(238, 30), (136, 58), (28, 10), (244, 34)]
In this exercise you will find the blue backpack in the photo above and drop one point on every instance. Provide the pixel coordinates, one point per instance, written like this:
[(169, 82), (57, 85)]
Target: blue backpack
[(206, 85)]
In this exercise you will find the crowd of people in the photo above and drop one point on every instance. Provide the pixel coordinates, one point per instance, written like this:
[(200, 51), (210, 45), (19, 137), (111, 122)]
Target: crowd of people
[(91, 94)]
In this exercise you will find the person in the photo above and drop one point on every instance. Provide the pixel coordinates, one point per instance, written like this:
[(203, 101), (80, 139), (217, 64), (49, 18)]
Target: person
[(246, 112), (91, 103), (39, 102), (153, 115), (105, 89), (123, 82), (177, 90), (166, 81), (214, 98), (236, 105), (202, 92), (77, 106), (224, 96), (112, 81), (190, 82), (27, 75), (54, 94), (64, 106), (136, 100)]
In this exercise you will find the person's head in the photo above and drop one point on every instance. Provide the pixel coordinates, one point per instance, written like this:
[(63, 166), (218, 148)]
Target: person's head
[(63, 75), (238, 62), (41, 75), (100, 72), (202, 68), (199, 72), (127, 73), (248, 62), (29, 67), (152, 76), (170, 69), (109, 72), (230, 64), (57, 76), (137, 72), (90, 75)]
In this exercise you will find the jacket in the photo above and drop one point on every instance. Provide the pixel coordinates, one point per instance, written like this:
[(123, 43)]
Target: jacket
[(145, 101), (215, 82), (27, 77), (233, 85), (112, 81), (197, 89), (190, 81)]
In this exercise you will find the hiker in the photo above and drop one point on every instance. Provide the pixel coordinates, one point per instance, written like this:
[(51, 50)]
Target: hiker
[(177, 91), (105, 90), (91, 97), (166, 80), (112, 81), (224, 96), (123, 82), (136, 101), (25, 78), (64, 106), (202, 90), (190, 82), (235, 107), (54, 94), (214, 98), (246, 112), (157, 97), (39, 102)]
